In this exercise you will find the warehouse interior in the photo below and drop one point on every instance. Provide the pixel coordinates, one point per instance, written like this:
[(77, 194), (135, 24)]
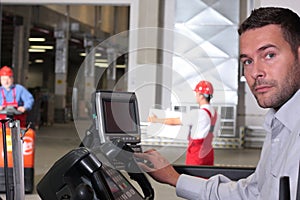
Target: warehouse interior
[(63, 51)]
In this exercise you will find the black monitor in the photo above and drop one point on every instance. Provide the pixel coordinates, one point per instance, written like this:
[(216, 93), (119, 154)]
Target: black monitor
[(117, 116)]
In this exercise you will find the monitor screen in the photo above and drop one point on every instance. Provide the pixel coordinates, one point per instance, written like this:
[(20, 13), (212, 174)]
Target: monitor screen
[(117, 116)]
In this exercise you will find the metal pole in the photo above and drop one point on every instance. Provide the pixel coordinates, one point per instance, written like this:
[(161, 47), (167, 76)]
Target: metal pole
[(18, 169), (8, 192)]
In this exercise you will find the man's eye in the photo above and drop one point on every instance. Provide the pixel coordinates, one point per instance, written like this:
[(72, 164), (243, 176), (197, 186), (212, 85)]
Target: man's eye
[(270, 55), (247, 62)]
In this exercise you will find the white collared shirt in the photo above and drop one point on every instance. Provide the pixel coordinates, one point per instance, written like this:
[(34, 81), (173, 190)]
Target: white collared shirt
[(199, 121), (280, 157)]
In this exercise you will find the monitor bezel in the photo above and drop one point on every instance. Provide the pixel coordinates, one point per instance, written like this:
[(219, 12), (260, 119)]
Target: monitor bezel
[(100, 96)]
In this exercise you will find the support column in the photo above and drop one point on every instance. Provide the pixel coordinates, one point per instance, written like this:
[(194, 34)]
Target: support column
[(111, 70), (18, 48), (61, 68), (61, 62), (164, 57), (89, 73), (85, 83)]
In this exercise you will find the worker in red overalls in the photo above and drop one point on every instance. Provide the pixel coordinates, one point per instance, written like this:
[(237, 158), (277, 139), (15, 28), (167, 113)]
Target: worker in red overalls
[(202, 124), (18, 97), (14, 95)]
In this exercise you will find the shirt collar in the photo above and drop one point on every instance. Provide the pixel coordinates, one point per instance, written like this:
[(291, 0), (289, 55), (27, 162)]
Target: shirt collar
[(287, 114), (10, 87), (205, 106)]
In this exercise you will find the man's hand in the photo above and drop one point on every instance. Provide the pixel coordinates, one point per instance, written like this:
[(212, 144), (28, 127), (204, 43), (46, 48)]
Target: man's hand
[(2, 107), (21, 109), (168, 121), (161, 170), (152, 118)]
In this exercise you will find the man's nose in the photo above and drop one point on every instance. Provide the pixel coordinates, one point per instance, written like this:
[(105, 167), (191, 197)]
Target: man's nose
[(258, 70)]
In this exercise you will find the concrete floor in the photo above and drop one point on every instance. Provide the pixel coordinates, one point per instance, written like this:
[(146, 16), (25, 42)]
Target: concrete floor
[(52, 142)]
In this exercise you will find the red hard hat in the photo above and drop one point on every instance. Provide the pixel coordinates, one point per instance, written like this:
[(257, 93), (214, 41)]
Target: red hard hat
[(204, 87), (6, 71)]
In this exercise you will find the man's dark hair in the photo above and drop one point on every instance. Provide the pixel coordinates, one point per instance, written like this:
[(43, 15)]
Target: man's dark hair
[(208, 97), (285, 18)]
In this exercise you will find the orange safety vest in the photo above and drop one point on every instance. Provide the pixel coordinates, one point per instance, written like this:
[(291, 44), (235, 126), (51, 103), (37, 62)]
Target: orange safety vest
[(200, 151)]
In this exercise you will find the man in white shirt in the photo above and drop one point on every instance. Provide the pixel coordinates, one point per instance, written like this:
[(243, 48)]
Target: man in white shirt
[(270, 53), (202, 123)]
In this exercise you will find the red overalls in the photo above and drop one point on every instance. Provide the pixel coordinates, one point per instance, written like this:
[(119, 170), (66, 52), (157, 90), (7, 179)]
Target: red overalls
[(200, 151), (20, 117), (28, 143)]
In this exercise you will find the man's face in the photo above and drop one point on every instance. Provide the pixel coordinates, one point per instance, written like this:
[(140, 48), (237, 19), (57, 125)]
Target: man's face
[(270, 68), (6, 81)]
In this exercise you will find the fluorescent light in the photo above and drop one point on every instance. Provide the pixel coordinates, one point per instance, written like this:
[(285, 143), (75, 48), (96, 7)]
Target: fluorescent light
[(40, 47), (105, 65), (96, 54), (120, 66), (37, 50), (39, 61), (102, 65), (101, 60), (36, 39)]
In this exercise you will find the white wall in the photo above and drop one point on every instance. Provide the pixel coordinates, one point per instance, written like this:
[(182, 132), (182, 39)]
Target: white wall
[(147, 74), (142, 65)]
